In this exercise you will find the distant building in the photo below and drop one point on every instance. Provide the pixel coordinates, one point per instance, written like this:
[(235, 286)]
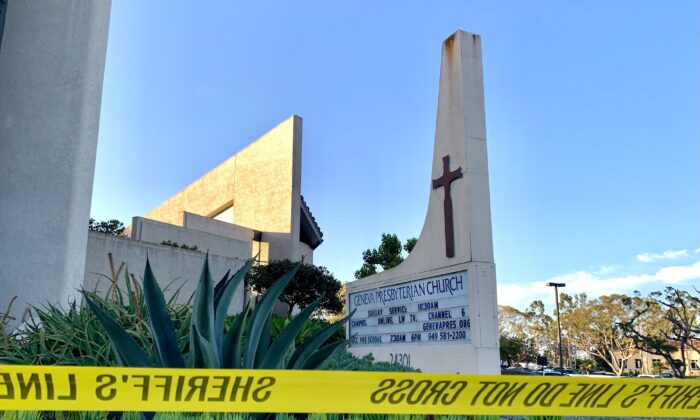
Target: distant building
[(644, 363), (248, 206)]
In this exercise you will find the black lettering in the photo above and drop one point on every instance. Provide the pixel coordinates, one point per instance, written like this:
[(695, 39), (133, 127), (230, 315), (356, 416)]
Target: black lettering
[(680, 396), (108, 380), (484, 385), (591, 393), (460, 385), (168, 381), (49, 386), (9, 387), (512, 393), (603, 392), (398, 395), (427, 306), (490, 398), (414, 399), (669, 396), (222, 387), (436, 391), (539, 389), (197, 383), (179, 388), (607, 403), (384, 385), (72, 389), (696, 404), (574, 395), (237, 385), (144, 385), (693, 391), (265, 382), (25, 387), (552, 394), (655, 396), (630, 400)]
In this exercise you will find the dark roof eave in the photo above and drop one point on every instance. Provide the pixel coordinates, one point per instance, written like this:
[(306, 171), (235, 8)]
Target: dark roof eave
[(314, 234)]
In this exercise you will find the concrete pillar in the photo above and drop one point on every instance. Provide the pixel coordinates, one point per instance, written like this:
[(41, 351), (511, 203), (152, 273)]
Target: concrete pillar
[(52, 61), (460, 135)]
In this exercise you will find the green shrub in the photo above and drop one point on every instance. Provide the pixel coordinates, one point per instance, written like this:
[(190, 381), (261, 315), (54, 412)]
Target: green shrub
[(73, 337), (309, 328), (176, 245), (208, 346)]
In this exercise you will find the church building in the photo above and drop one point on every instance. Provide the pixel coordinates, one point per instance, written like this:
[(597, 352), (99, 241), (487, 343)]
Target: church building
[(248, 206)]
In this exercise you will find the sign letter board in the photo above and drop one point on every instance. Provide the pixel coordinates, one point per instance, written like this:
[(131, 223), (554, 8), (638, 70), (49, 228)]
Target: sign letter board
[(432, 310)]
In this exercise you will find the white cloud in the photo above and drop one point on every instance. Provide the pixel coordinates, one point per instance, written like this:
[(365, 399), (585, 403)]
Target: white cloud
[(697, 251), (679, 274), (666, 255), (594, 284), (606, 269)]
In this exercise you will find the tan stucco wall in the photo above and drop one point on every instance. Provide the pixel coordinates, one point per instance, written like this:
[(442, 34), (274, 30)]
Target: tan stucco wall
[(648, 362), (263, 181)]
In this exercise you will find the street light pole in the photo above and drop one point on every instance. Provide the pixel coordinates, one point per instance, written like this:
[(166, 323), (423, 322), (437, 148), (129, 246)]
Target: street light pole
[(556, 298)]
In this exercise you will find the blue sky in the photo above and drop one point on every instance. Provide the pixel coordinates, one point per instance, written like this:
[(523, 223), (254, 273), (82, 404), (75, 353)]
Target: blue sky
[(592, 109)]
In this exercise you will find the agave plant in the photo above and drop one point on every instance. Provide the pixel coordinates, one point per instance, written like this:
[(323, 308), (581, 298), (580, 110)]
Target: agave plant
[(209, 346)]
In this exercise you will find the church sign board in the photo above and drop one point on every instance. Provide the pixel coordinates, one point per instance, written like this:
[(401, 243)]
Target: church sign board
[(426, 311), (437, 310)]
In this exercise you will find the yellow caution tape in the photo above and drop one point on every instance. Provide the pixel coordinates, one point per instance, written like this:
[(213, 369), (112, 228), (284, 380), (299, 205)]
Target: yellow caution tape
[(68, 388)]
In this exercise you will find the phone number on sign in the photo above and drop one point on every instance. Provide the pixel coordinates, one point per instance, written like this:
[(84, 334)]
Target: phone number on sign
[(447, 335)]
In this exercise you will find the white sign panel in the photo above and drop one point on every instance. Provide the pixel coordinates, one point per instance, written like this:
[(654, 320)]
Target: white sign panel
[(430, 311)]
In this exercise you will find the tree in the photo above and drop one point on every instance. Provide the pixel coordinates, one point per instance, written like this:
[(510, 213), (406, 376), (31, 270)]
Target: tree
[(525, 333), (510, 349), (543, 329), (410, 244), (309, 283), (665, 323), (594, 327), (512, 322), (516, 344), (387, 255), (110, 227), (513, 349)]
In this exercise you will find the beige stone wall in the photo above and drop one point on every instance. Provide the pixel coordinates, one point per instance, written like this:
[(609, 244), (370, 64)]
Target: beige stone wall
[(262, 181)]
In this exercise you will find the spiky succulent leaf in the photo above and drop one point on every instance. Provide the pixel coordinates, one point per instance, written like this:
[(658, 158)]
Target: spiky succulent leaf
[(274, 357), (264, 343), (307, 348), (231, 353), (128, 351), (219, 287), (127, 280), (209, 358), (203, 313), (226, 289), (161, 326), (322, 356), (261, 315)]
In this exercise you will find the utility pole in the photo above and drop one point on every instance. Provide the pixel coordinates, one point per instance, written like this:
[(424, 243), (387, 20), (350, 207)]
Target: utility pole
[(556, 298)]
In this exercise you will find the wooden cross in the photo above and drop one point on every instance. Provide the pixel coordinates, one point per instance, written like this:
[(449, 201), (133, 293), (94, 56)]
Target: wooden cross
[(444, 181)]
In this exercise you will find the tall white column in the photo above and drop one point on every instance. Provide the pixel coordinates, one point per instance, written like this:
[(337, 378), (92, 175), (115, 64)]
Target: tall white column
[(455, 242), (52, 61)]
